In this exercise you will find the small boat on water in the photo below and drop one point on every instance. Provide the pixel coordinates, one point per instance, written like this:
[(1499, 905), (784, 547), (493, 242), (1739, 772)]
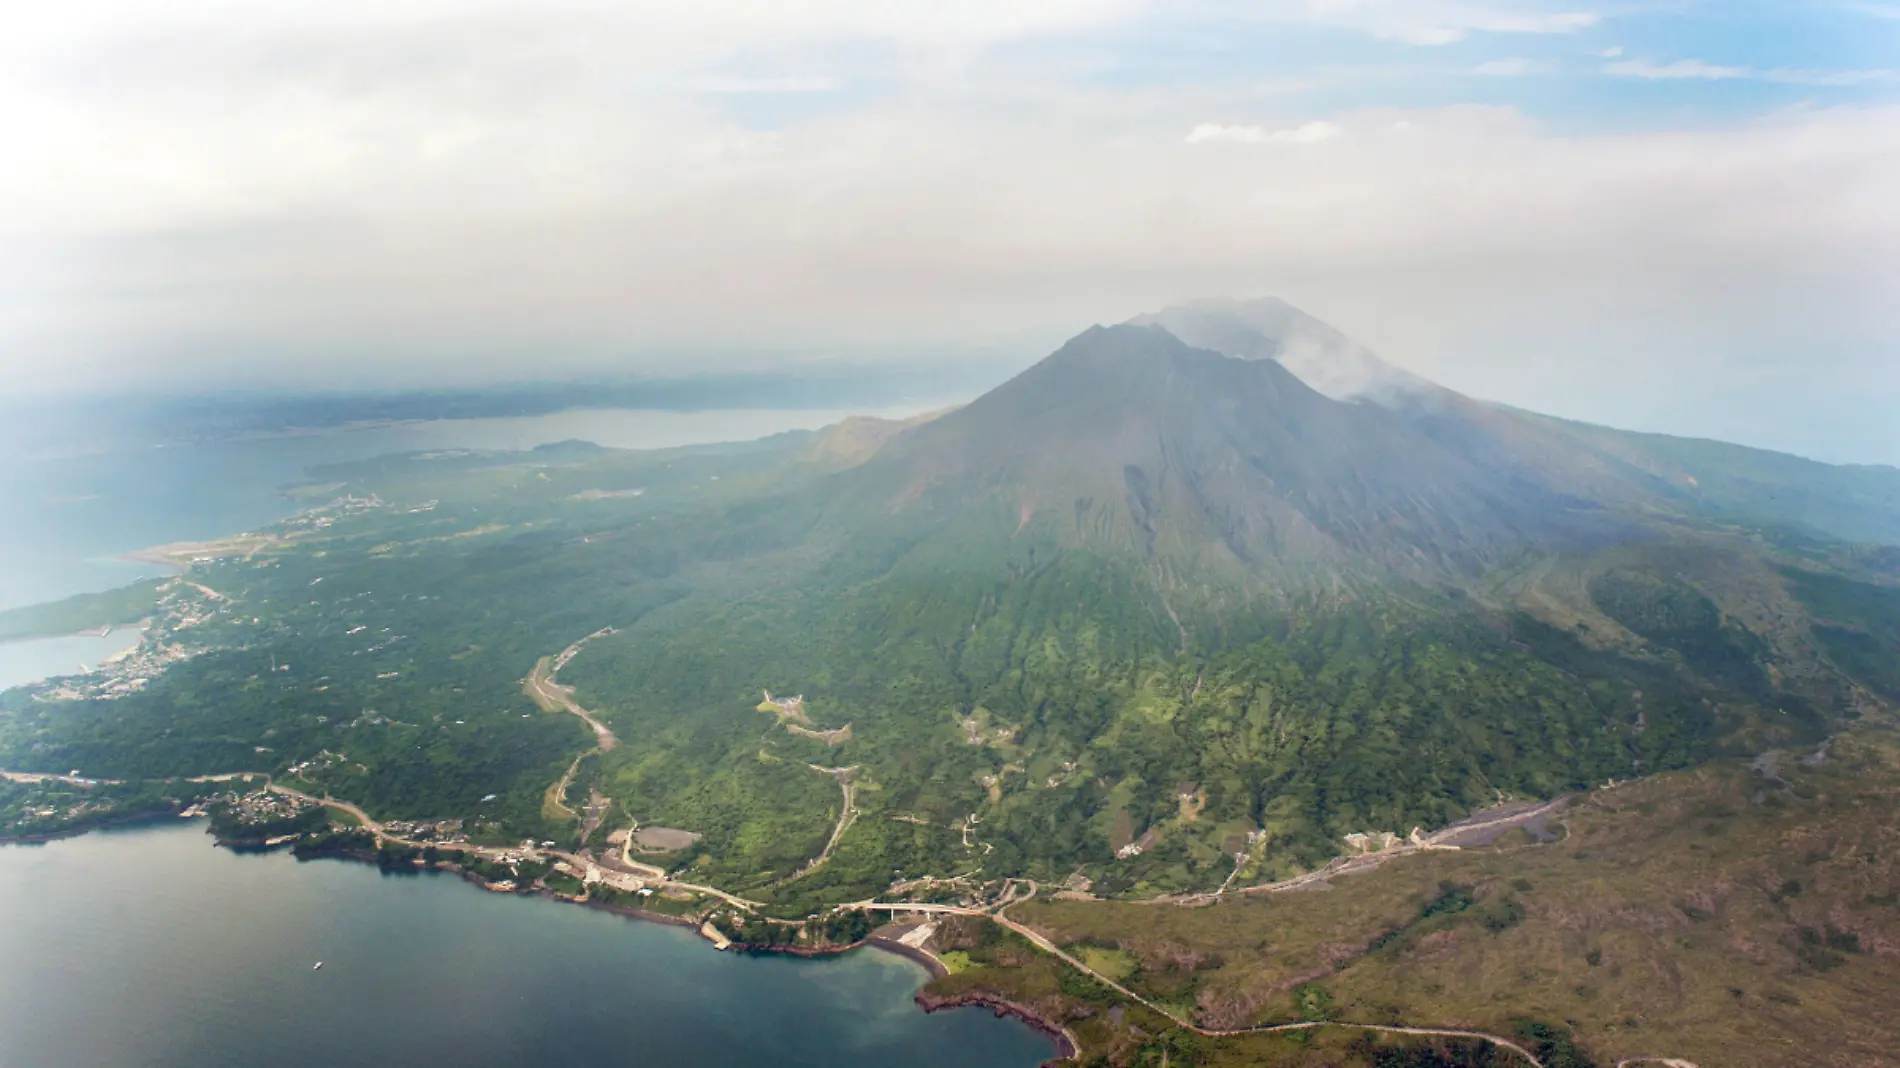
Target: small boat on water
[(317, 967)]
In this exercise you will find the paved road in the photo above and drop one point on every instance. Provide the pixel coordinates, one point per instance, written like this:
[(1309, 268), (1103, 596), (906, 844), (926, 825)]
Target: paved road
[(655, 875), (362, 817), (562, 695), (1436, 841), (1040, 942), (1458, 830)]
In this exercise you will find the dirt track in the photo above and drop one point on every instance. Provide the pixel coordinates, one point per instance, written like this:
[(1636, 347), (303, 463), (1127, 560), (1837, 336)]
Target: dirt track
[(846, 817), (550, 694)]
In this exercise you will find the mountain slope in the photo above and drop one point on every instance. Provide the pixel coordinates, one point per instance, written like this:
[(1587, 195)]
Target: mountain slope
[(1855, 502), (1139, 610), (1652, 473), (1129, 439)]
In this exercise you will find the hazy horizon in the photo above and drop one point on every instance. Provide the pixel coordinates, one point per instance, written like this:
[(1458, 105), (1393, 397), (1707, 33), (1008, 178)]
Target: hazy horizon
[(851, 380), (1661, 217)]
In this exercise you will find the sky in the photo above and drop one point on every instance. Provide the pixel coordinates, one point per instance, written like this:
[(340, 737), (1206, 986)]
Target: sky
[(1661, 214)]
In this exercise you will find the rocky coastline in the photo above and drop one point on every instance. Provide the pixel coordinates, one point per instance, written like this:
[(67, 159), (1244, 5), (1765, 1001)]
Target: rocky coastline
[(925, 999), (358, 854), (1066, 1047)]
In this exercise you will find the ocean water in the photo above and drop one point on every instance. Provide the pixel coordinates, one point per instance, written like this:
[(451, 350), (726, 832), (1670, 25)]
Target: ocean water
[(39, 658), (150, 947), (64, 518)]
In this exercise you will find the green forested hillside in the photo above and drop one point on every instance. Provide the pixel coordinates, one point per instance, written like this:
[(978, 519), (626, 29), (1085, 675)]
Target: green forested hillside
[(87, 611), (1140, 612)]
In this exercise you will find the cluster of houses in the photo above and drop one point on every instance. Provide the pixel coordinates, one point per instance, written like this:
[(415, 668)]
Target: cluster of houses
[(263, 806), (427, 830)]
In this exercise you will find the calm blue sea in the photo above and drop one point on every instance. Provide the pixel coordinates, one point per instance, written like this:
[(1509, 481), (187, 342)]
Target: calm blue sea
[(150, 947), (29, 661)]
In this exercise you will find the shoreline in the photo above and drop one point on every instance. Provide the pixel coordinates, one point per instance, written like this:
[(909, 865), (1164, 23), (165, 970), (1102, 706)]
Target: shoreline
[(121, 823), (141, 625), (151, 557), (1067, 1049), (921, 956), (1066, 1045)]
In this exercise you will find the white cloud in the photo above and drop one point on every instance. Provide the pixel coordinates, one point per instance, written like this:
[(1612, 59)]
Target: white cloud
[(1307, 134), (1210, 131), (1439, 22), (439, 190), (1842, 79), (1611, 52), (1697, 70), (816, 83), (1679, 70), (1510, 68)]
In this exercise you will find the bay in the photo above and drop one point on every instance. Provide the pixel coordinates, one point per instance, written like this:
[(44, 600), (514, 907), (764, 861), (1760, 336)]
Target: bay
[(148, 946), (22, 662), (65, 518)]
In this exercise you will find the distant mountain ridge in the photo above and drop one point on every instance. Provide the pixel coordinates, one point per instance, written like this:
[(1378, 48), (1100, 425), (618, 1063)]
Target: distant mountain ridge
[(1855, 502)]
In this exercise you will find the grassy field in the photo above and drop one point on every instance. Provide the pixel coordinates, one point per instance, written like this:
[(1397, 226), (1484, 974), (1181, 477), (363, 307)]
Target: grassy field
[(1733, 915)]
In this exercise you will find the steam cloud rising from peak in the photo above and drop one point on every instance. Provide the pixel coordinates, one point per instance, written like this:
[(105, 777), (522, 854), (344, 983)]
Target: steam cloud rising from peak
[(409, 193)]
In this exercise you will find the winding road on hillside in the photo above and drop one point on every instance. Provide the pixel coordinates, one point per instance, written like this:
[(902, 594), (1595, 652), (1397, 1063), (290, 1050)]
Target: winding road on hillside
[(1438, 840), (542, 686), (846, 817), (551, 695), (1042, 942), (542, 681)]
